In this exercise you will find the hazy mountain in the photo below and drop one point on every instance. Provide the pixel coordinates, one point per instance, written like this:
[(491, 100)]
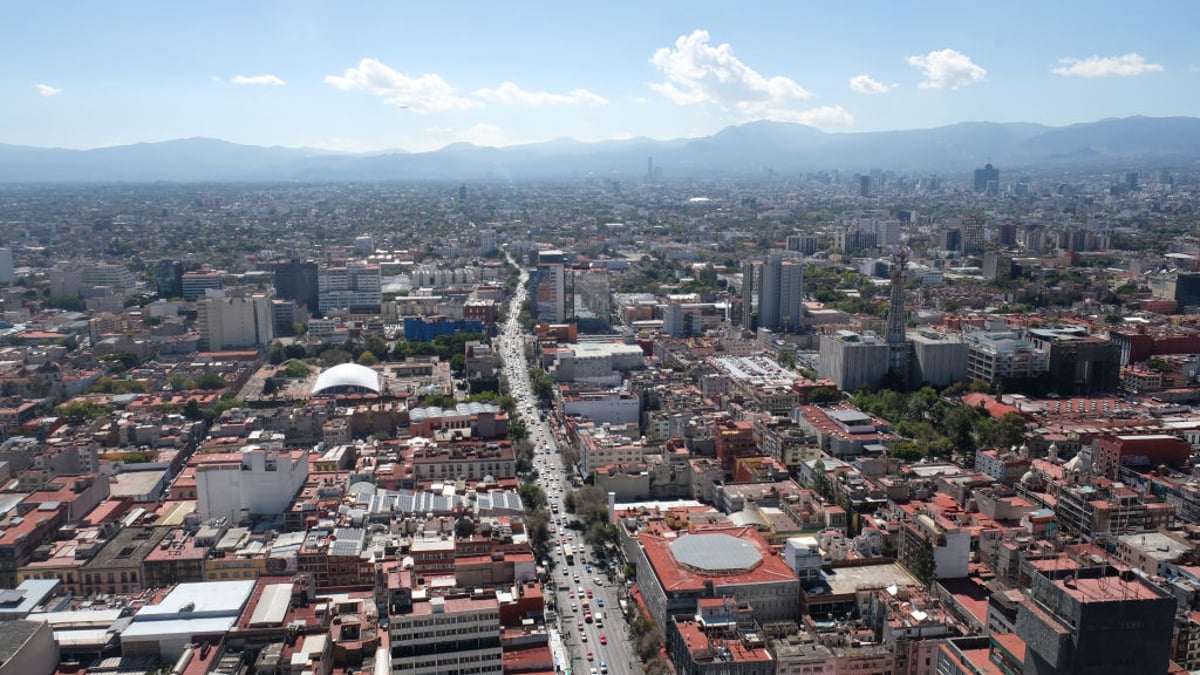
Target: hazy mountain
[(747, 149)]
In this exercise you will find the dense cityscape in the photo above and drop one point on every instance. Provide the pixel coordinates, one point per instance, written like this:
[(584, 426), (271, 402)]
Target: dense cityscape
[(830, 422)]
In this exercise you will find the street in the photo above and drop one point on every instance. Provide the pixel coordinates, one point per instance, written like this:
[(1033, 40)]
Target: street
[(602, 645)]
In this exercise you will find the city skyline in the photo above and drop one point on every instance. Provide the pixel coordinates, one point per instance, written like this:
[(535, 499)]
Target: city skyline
[(421, 77)]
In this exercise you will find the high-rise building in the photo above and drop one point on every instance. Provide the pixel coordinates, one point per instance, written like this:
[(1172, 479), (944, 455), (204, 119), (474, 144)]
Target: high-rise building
[(773, 293), (987, 180), (1096, 620), (864, 186), (852, 360), (973, 235), (445, 635), (168, 278), (117, 277), (551, 290), (195, 283), (591, 299), (235, 323), (899, 349), (7, 273), (357, 287), (254, 481), (297, 281)]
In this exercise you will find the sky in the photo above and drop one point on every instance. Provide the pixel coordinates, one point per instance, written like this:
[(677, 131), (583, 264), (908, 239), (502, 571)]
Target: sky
[(373, 76)]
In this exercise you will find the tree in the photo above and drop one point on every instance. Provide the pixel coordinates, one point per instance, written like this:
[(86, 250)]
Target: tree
[(907, 451), (295, 370), (591, 505), (276, 354), (820, 395), (599, 533), (83, 411), (458, 364), (211, 381), (518, 429), (533, 498), (270, 386), (464, 527), (922, 563), (191, 410), (569, 501), (537, 528), (820, 480), (295, 351), (367, 359), (787, 359)]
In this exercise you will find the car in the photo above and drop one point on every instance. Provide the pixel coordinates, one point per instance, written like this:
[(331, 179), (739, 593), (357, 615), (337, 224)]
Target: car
[(589, 592), (603, 639), (591, 657), (593, 672), (599, 602), (583, 637)]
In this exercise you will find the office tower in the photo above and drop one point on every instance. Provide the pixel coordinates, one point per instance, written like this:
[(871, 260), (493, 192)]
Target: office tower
[(487, 241), (1007, 234), (802, 243), (357, 288), (7, 274), (1131, 181), (168, 278), (462, 192), (235, 323), (751, 286), (117, 277), (987, 180), (551, 290), (297, 281), (591, 299), (773, 291), (898, 348), (950, 240), (195, 283), (972, 235), (364, 244), (649, 169), (864, 186)]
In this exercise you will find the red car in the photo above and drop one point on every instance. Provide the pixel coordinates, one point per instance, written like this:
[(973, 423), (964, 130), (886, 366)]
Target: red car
[(590, 657), (589, 592), (603, 639)]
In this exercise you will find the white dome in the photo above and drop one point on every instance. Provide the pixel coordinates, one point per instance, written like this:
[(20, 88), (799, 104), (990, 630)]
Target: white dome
[(347, 378)]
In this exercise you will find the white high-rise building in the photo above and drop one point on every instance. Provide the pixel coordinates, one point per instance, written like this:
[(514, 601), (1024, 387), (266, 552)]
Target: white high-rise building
[(357, 287), (448, 636), (256, 481), (235, 323)]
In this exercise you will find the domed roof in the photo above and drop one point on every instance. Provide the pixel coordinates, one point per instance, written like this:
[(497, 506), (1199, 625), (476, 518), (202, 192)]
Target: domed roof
[(715, 553), (346, 378)]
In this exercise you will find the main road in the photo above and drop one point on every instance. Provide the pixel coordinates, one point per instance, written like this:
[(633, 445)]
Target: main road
[(602, 644)]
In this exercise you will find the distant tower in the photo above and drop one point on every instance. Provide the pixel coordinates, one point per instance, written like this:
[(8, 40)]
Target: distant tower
[(864, 186), (462, 192), (650, 169), (987, 180), (897, 341)]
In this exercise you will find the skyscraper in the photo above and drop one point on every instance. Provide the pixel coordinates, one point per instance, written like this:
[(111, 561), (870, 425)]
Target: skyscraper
[(297, 281), (987, 180), (773, 291), (899, 350), (550, 300)]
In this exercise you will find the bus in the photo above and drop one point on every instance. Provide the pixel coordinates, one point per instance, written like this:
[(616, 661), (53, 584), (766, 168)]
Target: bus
[(569, 555), (583, 604)]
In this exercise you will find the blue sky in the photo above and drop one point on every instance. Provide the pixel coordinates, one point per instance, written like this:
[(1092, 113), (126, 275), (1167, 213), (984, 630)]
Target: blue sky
[(371, 76)]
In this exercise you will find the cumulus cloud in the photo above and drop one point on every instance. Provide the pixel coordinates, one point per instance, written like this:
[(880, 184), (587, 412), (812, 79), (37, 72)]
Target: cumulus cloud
[(865, 84), (947, 69), (426, 93), (47, 90), (698, 72), (1127, 65), (823, 117), (264, 80), (508, 93)]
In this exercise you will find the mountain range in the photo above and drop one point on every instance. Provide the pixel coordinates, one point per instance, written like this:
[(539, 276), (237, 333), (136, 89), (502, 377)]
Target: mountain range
[(746, 150)]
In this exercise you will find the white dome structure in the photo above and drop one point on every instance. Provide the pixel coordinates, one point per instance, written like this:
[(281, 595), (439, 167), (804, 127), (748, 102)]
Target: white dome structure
[(347, 378)]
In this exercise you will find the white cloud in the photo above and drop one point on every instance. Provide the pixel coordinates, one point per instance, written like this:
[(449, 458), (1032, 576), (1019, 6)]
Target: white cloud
[(622, 136), (47, 90), (427, 93), (823, 117), (265, 80), (697, 72), (947, 69), (508, 93), (864, 84), (1106, 66)]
